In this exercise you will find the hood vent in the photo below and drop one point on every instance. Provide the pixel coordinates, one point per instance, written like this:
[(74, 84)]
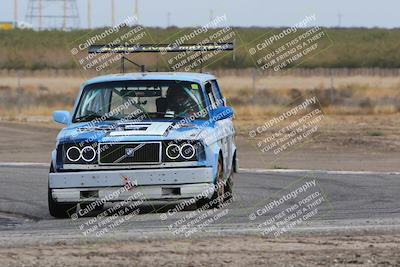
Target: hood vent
[(150, 128)]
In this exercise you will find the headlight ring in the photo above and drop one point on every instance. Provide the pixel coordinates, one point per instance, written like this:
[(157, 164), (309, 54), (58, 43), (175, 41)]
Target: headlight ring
[(187, 151), (85, 153), (73, 154), (173, 151)]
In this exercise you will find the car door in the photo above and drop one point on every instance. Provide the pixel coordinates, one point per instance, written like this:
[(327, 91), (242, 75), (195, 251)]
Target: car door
[(224, 127)]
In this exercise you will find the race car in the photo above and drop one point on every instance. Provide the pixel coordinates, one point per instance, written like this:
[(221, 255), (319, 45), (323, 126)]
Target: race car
[(148, 135)]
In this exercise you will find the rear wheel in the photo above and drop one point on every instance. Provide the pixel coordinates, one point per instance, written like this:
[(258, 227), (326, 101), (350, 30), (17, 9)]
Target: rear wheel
[(220, 187), (229, 187), (56, 209)]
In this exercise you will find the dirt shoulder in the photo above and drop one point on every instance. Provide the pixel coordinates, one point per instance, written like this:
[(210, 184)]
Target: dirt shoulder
[(365, 250), (331, 158), (347, 142), (27, 142)]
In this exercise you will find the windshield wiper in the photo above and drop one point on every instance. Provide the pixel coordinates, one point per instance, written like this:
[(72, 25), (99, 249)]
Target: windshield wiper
[(180, 117), (169, 115), (94, 115)]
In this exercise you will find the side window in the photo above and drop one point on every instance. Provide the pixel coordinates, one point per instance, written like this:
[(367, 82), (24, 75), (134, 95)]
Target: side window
[(210, 94), (214, 94), (217, 94)]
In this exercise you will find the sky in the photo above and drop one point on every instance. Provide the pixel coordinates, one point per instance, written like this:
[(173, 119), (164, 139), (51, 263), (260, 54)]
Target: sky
[(346, 13)]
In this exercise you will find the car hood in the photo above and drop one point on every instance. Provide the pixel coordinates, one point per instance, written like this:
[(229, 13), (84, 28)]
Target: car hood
[(133, 131)]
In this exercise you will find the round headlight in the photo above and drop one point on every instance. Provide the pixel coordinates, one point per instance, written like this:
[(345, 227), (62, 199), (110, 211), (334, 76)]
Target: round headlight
[(173, 151), (188, 151), (88, 153), (73, 153)]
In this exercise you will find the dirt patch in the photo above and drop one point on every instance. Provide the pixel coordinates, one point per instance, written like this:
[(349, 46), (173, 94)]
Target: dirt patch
[(27, 142), (7, 220), (361, 143), (366, 250)]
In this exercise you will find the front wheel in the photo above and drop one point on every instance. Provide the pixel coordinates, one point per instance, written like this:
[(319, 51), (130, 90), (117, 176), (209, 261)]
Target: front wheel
[(56, 209), (218, 198)]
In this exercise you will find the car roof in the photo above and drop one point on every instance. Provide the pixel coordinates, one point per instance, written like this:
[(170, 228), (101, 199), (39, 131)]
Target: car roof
[(169, 76)]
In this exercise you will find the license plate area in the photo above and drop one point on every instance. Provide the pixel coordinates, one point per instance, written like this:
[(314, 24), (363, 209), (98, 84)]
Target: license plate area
[(171, 191), (89, 194)]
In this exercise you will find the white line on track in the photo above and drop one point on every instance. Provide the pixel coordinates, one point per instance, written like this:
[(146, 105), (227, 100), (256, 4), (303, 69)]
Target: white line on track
[(245, 170), (23, 164)]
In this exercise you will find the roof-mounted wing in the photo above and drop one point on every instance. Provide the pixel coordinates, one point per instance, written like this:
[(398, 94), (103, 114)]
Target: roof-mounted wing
[(160, 48), (157, 48)]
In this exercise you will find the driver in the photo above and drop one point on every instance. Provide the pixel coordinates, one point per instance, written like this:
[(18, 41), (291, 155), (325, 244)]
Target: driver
[(179, 101)]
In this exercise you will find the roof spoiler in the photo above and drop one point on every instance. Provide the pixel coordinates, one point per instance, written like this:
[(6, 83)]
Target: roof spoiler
[(160, 48), (157, 48)]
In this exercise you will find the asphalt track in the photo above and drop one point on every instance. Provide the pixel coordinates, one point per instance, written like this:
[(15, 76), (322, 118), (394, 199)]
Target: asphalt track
[(353, 201)]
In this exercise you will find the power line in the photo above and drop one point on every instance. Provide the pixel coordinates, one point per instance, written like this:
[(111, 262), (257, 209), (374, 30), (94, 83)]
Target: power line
[(53, 14)]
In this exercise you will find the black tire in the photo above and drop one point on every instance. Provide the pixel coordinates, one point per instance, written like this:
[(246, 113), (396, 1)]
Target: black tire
[(235, 163), (229, 187), (202, 203), (217, 199), (97, 208), (56, 209)]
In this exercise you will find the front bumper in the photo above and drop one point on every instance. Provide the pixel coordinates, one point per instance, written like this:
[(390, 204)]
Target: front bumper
[(149, 184)]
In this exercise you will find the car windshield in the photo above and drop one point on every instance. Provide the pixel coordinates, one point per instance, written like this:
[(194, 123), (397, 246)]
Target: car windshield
[(132, 99)]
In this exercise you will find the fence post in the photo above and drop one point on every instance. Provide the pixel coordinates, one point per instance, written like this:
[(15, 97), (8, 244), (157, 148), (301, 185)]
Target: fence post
[(254, 76), (19, 95)]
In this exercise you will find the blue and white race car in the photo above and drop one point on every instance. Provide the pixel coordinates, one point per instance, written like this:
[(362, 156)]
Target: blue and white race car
[(168, 136)]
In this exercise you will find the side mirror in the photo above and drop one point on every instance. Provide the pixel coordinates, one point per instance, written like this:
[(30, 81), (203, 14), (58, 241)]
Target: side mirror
[(61, 116), (221, 113)]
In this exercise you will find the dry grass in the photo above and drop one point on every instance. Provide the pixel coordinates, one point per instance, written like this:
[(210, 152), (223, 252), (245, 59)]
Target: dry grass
[(52, 84), (313, 82), (357, 95)]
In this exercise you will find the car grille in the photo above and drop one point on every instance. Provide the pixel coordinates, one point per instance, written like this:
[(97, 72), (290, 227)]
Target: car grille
[(130, 153)]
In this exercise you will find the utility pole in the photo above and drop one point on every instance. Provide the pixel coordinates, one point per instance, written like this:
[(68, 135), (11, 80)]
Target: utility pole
[(136, 11), (40, 15), (254, 77), (16, 13), (113, 12), (65, 15), (339, 20), (89, 14), (168, 19)]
